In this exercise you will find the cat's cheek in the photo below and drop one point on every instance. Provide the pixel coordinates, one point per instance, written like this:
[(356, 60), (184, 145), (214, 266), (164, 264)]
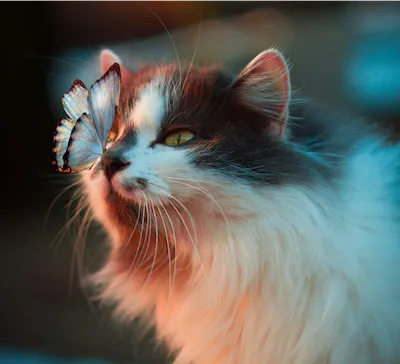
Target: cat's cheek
[(96, 188), (175, 174)]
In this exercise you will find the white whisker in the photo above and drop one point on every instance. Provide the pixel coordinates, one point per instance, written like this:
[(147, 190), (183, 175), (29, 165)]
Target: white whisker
[(140, 239), (64, 229), (59, 195), (171, 278), (134, 229), (208, 194), (193, 240), (155, 249), (147, 238)]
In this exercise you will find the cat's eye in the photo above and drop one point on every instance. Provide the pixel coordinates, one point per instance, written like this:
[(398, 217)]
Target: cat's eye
[(178, 138)]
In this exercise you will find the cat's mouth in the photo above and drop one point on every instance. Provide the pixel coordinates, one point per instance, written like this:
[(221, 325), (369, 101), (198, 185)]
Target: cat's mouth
[(137, 192), (125, 198), (128, 192), (122, 199), (131, 192)]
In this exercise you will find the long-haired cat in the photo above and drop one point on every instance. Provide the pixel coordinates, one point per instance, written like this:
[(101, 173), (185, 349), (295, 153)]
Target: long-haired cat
[(246, 228)]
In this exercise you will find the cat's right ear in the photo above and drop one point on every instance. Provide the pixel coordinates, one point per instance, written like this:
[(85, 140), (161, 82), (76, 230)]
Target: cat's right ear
[(264, 85), (107, 59)]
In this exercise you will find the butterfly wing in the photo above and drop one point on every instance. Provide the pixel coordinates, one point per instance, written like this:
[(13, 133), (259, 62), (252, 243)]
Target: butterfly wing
[(60, 142), (84, 146), (75, 100), (75, 104), (79, 140), (103, 101)]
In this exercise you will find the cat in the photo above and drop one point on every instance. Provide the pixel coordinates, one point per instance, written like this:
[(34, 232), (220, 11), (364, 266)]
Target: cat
[(246, 227)]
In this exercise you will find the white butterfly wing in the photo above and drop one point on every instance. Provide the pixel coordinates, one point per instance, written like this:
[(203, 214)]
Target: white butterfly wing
[(103, 101), (84, 146), (60, 141), (75, 101)]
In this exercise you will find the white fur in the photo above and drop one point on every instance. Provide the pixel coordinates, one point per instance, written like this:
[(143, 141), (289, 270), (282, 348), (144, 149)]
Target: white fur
[(149, 109), (283, 275)]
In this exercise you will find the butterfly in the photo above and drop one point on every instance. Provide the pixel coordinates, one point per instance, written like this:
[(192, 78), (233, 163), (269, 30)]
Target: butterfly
[(80, 139)]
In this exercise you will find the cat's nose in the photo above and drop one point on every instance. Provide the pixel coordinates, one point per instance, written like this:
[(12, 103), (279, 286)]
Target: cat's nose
[(112, 165)]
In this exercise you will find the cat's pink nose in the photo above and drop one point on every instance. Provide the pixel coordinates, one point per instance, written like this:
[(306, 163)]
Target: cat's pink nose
[(113, 165)]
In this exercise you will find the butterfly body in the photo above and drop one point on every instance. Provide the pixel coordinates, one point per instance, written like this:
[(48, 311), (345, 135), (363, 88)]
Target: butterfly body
[(79, 140)]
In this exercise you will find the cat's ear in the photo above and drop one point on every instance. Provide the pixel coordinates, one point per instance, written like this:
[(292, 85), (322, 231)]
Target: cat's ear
[(108, 58), (264, 85)]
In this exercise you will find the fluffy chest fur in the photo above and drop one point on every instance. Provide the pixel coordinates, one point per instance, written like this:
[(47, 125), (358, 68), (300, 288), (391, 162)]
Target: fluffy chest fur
[(320, 284), (293, 259)]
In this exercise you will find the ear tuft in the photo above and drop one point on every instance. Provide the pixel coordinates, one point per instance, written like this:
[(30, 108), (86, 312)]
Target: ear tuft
[(264, 85)]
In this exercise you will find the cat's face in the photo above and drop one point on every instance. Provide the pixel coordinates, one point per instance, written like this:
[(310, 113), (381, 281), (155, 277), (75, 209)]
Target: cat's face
[(191, 142)]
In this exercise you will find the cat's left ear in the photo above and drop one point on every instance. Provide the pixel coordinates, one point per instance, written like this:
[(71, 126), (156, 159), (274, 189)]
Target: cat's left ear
[(264, 85)]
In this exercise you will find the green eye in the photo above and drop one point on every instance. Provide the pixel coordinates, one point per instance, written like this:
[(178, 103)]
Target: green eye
[(178, 138)]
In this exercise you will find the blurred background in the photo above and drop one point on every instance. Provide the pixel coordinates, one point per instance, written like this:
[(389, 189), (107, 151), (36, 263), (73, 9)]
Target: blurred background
[(345, 55)]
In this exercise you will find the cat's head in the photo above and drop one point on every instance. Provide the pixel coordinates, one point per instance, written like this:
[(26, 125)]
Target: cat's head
[(193, 146)]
